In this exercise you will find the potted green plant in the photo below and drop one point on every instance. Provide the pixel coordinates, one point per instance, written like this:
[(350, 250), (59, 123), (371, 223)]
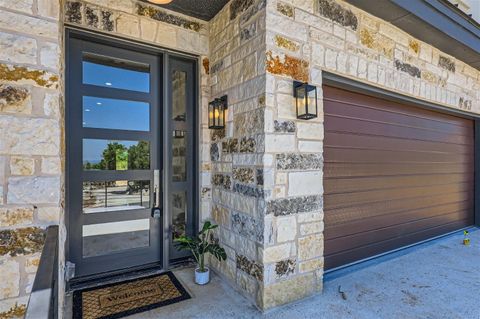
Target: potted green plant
[(199, 246)]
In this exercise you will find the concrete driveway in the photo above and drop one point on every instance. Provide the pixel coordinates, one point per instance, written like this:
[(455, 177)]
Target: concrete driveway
[(439, 279)]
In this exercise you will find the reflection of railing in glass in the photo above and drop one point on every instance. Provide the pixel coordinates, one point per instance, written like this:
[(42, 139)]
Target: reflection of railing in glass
[(179, 203), (115, 195)]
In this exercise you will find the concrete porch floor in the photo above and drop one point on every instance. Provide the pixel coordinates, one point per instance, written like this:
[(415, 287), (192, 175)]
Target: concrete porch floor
[(438, 279)]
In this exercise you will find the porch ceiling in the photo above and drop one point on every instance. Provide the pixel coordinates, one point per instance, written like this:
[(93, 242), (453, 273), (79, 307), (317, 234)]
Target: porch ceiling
[(201, 9)]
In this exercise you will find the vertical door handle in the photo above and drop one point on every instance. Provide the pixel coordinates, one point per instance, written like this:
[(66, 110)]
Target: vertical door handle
[(156, 209)]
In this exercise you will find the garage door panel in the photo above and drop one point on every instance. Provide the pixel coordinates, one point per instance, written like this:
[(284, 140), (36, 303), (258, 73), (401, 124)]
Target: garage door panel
[(393, 175), (390, 116), (389, 207), (348, 185), (355, 155), (354, 126), (335, 201), (379, 142), (382, 221), (336, 94), (343, 170), (349, 256), (382, 234)]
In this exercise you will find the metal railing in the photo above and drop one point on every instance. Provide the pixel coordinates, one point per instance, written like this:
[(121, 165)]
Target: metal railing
[(43, 303)]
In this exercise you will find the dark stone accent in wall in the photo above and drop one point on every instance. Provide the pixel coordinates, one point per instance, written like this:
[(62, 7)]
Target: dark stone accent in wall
[(253, 11), (285, 267), (299, 161), (12, 95), (222, 180), (250, 191), (285, 9), (284, 126), (214, 152), (248, 32), (408, 68), (160, 15), (247, 226), (294, 205), (465, 104), (250, 267), (107, 21), (244, 174), (73, 12), (206, 192), (247, 145), (260, 176), (446, 63), (216, 67), (335, 12), (21, 241), (239, 6), (217, 135), (91, 17), (230, 145)]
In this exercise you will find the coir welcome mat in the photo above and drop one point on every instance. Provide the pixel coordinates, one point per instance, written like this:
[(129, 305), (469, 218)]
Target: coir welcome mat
[(118, 300)]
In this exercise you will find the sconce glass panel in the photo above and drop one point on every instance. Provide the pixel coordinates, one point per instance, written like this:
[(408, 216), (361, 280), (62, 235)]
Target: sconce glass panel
[(306, 100), (216, 113)]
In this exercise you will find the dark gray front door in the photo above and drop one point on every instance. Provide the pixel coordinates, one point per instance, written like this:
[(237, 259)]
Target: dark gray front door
[(131, 147), (114, 150)]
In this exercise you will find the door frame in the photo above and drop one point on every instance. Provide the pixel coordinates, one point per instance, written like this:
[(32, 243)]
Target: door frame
[(117, 41)]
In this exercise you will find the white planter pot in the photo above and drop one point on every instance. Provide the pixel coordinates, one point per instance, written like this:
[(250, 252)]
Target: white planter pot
[(202, 278)]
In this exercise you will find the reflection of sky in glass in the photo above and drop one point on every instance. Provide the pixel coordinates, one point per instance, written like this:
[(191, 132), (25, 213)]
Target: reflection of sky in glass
[(115, 114), (93, 149), (108, 76)]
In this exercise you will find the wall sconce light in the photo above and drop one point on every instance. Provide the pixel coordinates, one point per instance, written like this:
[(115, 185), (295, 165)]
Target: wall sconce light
[(216, 113), (306, 100)]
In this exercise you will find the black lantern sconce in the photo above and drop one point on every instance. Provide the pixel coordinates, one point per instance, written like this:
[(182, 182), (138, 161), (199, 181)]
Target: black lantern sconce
[(306, 100), (216, 113)]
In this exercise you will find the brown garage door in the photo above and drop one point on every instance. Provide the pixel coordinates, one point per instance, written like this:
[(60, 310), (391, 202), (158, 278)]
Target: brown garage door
[(394, 175)]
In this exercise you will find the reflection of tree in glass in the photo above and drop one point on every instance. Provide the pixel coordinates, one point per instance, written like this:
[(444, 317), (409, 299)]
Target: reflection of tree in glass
[(116, 156), (113, 153), (139, 156)]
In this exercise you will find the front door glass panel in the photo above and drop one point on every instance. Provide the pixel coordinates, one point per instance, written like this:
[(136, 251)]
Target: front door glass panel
[(182, 145), (115, 114), (107, 238), (114, 72), (114, 146), (115, 155), (100, 197)]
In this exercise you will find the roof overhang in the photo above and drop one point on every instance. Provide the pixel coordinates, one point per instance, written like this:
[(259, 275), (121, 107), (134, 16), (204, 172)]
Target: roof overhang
[(436, 22), (201, 9)]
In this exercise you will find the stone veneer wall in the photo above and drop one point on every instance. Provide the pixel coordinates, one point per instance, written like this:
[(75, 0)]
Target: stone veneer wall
[(30, 143), (303, 39), (237, 69), (261, 178), (31, 117)]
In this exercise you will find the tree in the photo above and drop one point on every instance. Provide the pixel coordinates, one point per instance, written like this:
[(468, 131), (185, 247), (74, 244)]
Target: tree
[(139, 156), (114, 151)]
